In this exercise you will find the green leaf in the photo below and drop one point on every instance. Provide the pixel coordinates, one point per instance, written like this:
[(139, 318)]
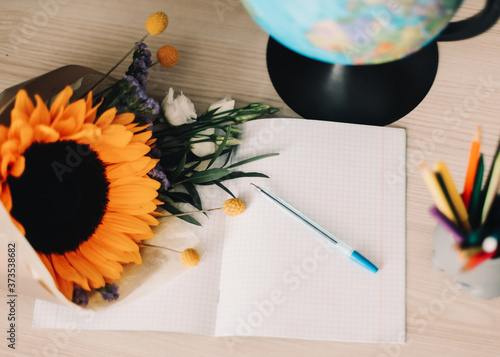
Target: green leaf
[(234, 175), (218, 183), (251, 160), (228, 157), (238, 174), (174, 210), (183, 197), (175, 174), (207, 175), (191, 189), (220, 148), (189, 169)]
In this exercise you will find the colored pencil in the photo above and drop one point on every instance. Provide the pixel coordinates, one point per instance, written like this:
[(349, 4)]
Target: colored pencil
[(456, 201), (477, 260), (488, 178), (458, 234), (469, 252), (492, 188), (475, 205), (436, 192), (472, 166)]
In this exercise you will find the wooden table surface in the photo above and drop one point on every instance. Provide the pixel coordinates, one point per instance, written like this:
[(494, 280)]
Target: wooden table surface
[(223, 52)]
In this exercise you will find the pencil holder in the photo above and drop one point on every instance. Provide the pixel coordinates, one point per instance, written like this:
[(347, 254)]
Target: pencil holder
[(481, 282)]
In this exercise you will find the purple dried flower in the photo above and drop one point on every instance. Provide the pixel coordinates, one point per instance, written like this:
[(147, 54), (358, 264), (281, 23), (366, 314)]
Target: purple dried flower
[(132, 80), (139, 67), (140, 94), (156, 109), (109, 292), (80, 296), (155, 153), (158, 174)]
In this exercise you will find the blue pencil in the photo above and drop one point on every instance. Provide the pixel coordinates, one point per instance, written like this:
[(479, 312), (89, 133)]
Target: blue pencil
[(318, 230)]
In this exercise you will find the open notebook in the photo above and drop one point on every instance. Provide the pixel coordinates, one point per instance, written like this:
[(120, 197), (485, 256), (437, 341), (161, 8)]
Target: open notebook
[(266, 275)]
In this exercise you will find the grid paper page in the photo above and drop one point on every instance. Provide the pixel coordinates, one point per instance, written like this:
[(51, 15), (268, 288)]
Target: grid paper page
[(278, 278), (186, 304)]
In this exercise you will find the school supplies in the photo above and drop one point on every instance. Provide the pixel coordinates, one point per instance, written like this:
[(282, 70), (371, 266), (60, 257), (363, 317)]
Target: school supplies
[(262, 274), (472, 217), (338, 244)]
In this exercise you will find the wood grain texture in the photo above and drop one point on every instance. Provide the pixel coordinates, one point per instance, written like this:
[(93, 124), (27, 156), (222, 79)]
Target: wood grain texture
[(223, 52)]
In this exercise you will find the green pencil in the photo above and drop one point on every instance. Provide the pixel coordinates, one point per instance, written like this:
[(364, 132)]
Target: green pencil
[(475, 198)]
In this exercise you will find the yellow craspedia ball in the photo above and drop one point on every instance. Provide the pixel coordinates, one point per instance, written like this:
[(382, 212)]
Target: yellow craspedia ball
[(167, 56), (233, 207), (157, 23), (190, 257)]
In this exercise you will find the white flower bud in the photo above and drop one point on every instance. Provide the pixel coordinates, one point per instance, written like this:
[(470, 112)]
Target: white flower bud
[(205, 148), (178, 111), (223, 105)]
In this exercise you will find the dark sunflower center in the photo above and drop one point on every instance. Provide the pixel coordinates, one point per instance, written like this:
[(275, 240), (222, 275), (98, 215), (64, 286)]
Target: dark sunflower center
[(61, 197)]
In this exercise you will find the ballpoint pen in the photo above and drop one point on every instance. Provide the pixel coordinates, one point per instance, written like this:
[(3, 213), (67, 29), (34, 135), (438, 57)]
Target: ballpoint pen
[(320, 231)]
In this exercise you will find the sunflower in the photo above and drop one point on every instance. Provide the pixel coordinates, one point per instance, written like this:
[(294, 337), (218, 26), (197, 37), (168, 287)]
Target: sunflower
[(76, 187)]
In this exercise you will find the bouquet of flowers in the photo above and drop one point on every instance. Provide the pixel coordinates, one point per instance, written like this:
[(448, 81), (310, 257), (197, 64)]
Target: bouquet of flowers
[(84, 176)]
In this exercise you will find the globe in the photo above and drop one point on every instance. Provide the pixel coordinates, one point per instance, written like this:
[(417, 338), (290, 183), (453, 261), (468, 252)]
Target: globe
[(353, 32)]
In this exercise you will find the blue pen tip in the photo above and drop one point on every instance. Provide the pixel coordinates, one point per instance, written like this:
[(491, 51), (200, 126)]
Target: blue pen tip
[(358, 258)]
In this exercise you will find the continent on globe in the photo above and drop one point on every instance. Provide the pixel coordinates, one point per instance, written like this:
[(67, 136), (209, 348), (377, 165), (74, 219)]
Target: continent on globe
[(353, 31)]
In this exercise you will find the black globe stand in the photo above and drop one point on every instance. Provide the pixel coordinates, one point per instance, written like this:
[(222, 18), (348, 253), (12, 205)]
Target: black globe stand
[(368, 94)]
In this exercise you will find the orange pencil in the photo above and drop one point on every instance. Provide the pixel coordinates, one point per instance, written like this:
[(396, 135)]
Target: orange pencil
[(472, 166), (477, 260)]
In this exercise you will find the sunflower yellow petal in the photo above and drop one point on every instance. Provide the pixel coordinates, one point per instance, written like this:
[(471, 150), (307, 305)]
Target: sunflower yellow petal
[(9, 147), (17, 115), (125, 195), (18, 166), (136, 129), (88, 134), (85, 268), (140, 237), (60, 102), (133, 182), (125, 223), (65, 287), (66, 271), (131, 152), (107, 251), (133, 257), (8, 160), (48, 264), (4, 132), (106, 118), (132, 209), (114, 238), (116, 135), (45, 134), (23, 133), (142, 137), (41, 114), (125, 118), (24, 105), (150, 220), (107, 268), (71, 120), (139, 167), (6, 198)]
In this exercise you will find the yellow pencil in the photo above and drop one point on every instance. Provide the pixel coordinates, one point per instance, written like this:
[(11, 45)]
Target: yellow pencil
[(456, 200), (437, 193)]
